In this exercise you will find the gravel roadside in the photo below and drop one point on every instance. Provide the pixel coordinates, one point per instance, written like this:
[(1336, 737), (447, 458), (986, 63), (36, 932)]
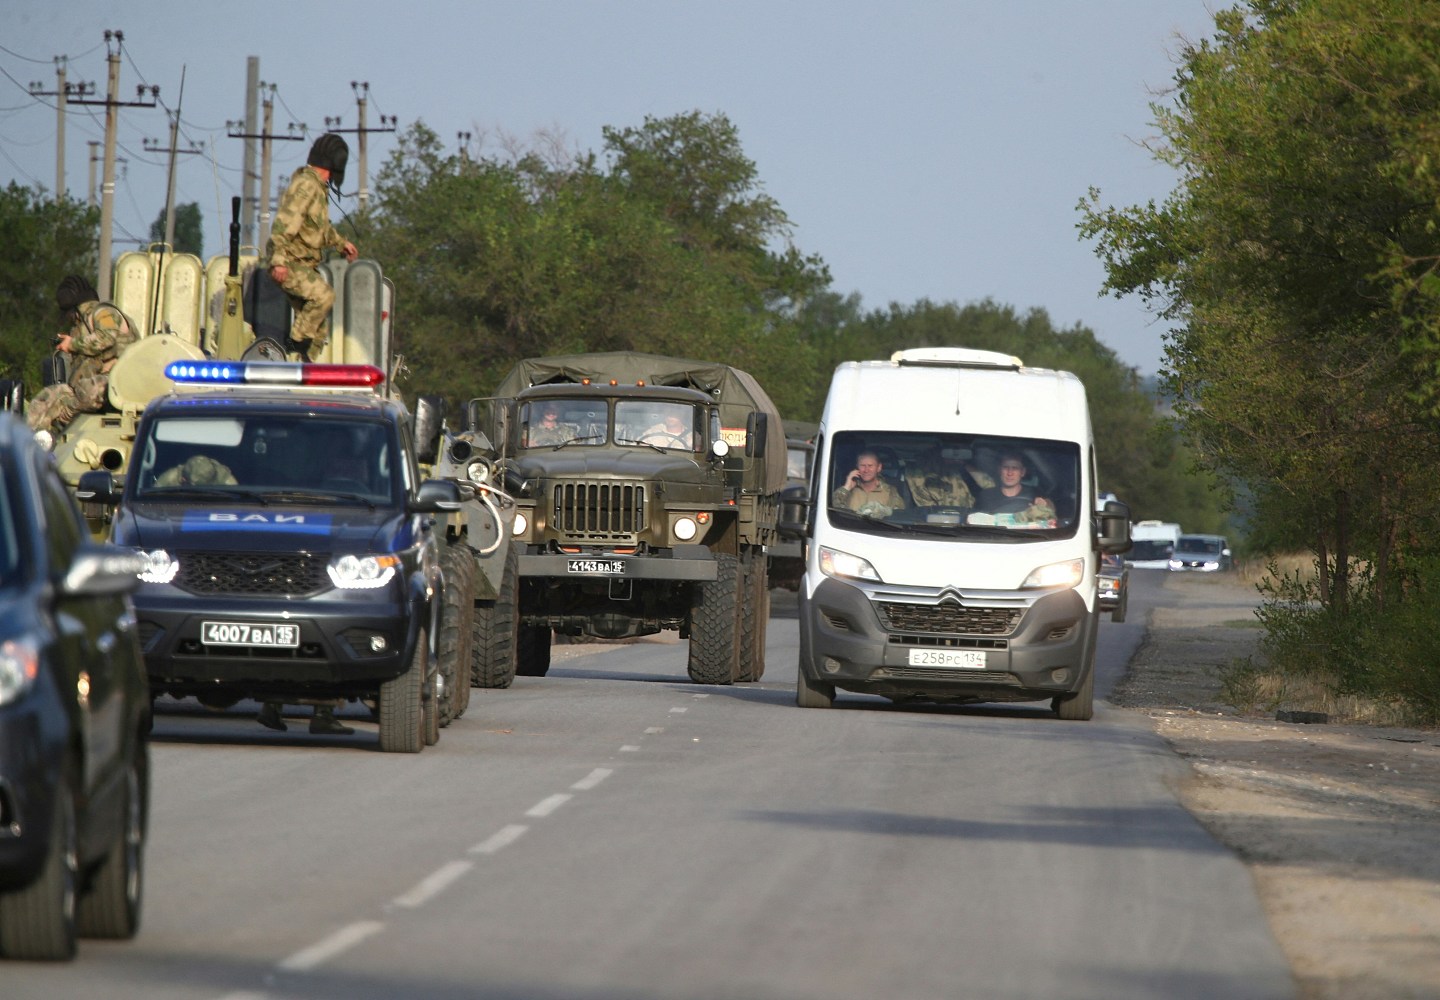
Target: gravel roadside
[(1340, 825)]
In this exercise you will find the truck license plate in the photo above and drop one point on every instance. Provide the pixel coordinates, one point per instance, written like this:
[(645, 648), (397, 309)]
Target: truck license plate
[(247, 634), (603, 567), (967, 659)]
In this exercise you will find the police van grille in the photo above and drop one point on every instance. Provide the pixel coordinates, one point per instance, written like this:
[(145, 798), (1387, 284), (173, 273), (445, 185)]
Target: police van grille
[(250, 573), (948, 618), (600, 510)]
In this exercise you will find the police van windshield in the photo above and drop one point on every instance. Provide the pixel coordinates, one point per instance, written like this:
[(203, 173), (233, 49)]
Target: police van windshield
[(943, 484), (267, 456)]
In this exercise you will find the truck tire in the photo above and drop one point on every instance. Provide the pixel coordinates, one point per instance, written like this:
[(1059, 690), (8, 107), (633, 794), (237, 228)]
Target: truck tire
[(533, 652), (754, 611), (1080, 706), (37, 923), (496, 627), (110, 906), (812, 694), (714, 626), (458, 565), (402, 705)]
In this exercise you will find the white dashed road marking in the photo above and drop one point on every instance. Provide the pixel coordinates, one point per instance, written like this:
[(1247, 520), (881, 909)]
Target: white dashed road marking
[(336, 944), (433, 885), (592, 779), (503, 837), (548, 805)]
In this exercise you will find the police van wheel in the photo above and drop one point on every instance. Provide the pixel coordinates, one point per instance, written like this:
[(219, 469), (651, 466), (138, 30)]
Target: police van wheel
[(714, 626), (402, 705)]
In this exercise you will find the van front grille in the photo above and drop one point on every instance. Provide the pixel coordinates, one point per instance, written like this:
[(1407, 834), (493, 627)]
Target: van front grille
[(949, 618)]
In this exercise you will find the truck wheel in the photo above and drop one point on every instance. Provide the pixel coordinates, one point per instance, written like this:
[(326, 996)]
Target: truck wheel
[(496, 627), (533, 652), (110, 906), (37, 923), (1080, 706), (812, 694), (402, 705), (714, 628), (754, 610), (456, 637)]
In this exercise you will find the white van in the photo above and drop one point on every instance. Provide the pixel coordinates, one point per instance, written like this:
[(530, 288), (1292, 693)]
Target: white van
[(953, 535), (1152, 543)]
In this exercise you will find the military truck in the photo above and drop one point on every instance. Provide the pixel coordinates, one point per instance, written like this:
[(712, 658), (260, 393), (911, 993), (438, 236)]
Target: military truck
[(645, 504)]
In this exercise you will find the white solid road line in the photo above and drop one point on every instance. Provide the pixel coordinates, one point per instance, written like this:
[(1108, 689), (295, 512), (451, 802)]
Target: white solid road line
[(503, 837), (433, 885), (548, 805), (341, 941)]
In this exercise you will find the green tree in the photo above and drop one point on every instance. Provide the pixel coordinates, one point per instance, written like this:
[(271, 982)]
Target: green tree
[(47, 239), (189, 232)]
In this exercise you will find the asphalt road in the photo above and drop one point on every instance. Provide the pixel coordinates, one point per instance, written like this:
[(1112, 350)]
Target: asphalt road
[(613, 831)]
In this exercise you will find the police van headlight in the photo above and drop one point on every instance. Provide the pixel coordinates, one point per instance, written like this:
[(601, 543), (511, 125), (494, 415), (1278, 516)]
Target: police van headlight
[(833, 562), (158, 566), (362, 572), (1061, 574)]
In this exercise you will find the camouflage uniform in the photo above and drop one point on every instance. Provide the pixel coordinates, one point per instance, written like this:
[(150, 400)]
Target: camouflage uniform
[(938, 487), (101, 331), (886, 495), (298, 240), (197, 470), (540, 435)]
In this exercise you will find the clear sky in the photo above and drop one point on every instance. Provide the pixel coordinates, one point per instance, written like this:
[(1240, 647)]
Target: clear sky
[(923, 148)]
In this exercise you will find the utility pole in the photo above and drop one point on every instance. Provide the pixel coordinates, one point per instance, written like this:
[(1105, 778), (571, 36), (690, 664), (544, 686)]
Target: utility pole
[(96, 156), (266, 136), (114, 41), (252, 89), (154, 147), (464, 139), (61, 93), (387, 124)]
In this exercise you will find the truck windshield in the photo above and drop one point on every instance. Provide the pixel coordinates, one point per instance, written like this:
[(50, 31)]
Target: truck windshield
[(657, 424), (554, 422), (268, 456), (938, 484)]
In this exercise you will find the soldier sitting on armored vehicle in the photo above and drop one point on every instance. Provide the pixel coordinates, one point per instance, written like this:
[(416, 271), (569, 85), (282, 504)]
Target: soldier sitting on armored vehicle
[(197, 470), (98, 332)]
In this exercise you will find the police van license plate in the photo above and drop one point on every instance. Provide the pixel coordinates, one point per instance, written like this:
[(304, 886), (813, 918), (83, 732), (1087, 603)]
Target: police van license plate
[(604, 567), (966, 659), (246, 634)]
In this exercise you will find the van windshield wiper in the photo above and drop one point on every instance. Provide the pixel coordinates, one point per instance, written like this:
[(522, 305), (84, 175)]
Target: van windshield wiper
[(176, 492)]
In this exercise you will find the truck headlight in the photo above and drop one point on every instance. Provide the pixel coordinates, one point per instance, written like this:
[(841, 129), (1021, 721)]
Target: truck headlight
[(520, 525), (362, 572), (1061, 574), (159, 566), (685, 528), (833, 562)]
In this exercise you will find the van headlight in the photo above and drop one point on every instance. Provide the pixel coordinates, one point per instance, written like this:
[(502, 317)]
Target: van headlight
[(833, 562), (19, 666), (158, 567), (1061, 574), (362, 572)]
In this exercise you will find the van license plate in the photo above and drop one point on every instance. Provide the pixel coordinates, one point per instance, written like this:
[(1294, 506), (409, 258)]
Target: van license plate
[(604, 567), (966, 659), (247, 634)]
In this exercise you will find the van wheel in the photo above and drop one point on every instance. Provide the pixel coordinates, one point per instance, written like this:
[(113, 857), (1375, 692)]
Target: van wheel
[(812, 694), (37, 923), (1080, 706), (110, 906), (402, 705), (714, 626)]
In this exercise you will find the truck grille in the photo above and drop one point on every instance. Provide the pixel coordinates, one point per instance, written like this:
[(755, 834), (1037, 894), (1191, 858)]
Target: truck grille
[(250, 573), (600, 510), (948, 618)]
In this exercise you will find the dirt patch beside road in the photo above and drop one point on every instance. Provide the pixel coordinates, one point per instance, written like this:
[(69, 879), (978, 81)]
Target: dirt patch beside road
[(1339, 824)]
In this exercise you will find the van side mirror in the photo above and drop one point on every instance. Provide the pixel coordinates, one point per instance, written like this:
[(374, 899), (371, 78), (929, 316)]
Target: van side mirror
[(794, 519), (1113, 527), (757, 430)]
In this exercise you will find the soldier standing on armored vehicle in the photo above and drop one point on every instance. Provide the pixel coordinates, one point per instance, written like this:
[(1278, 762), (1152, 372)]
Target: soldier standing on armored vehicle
[(301, 235), (98, 332)]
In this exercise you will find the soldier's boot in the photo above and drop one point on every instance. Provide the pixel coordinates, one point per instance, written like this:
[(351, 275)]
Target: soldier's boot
[(324, 723)]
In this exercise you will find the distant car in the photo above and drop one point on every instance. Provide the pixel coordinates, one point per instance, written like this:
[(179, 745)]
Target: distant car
[(74, 718), (1202, 553), (1114, 584)]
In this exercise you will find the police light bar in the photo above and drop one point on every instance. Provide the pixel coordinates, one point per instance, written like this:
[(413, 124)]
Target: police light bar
[(280, 373)]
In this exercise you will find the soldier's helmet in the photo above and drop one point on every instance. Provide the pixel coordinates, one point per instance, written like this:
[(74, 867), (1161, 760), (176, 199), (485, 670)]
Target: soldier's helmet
[(332, 152)]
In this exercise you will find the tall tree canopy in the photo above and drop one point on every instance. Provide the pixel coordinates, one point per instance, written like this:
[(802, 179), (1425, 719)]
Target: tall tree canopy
[(189, 231)]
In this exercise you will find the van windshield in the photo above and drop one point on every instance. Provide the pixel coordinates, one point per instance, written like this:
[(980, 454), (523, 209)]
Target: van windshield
[(931, 483)]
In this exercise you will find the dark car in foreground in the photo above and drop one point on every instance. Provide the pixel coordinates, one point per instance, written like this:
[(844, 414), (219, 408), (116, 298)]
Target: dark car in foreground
[(1113, 582), (74, 718), (1202, 553)]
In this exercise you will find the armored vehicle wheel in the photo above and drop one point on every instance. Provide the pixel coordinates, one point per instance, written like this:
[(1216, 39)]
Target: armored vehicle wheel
[(458, 566), (714, 626), (754, 610), (37, 922), (812, 694), (110, 906), (496, 626), (533, 652), (402, 708)]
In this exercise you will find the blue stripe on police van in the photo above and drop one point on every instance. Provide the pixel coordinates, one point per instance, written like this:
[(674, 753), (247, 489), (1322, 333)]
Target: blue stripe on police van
[(295, 524)]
